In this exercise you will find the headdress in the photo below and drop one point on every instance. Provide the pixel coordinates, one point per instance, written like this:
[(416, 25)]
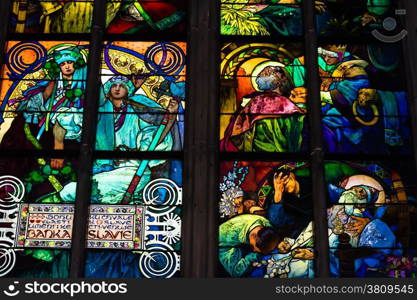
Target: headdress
[(120, 79), (337, 51), (72, 54), (371, 193)]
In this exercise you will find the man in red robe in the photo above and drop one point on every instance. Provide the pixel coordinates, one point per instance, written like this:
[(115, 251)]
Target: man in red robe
[(270, 121)]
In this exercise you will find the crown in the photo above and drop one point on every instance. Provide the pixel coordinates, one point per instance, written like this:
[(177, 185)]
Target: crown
[(335, 48)]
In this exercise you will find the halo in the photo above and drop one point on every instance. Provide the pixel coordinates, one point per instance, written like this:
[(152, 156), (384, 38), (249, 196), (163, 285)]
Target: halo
[(258, 69), (361, 179)]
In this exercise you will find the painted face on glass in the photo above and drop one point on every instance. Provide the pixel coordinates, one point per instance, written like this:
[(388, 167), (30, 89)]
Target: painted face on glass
[(330, 60), (67, 68), (118, 91), (356, 198)]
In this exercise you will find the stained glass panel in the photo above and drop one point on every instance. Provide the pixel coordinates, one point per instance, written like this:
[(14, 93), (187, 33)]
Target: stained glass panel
[(134, 226), (135, 210), (372, 219), (142, 102), (261, 17), (51, 16), (43, 85), (146, 16), (265, 220), (35, 224), (364, 99), (263, 98), (361, 18)]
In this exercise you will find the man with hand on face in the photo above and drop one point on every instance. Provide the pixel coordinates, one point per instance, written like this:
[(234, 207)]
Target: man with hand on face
[(286, 209)]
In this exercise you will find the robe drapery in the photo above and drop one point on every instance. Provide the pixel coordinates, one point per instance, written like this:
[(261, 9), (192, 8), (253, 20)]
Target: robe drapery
[(269, 122), (153, 15), (73, 16), (233, 243), (135, 131), (111, 179)]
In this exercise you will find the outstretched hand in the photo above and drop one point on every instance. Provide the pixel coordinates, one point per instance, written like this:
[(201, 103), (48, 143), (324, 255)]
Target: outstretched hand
[(357, 225), (320, 6), (173, 106), (137, 79), (284, 247), (302, 254)]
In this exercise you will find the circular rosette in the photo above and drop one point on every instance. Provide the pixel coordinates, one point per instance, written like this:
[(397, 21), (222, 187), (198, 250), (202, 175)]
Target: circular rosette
[(12, 191), (160, 261), (7, 261), (162, 196)]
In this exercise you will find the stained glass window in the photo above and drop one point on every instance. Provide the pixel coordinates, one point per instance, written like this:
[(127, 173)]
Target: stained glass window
[(364, 99), (42, 82), (147, 238), (100, 177), (261, 18), (75, 16), (155, 75), (265, 220), (36, 224), (133, 228), (364, 112), (263, 98), (263, 108), (371, 218), (32, 16), (146, 16), (360, 18)]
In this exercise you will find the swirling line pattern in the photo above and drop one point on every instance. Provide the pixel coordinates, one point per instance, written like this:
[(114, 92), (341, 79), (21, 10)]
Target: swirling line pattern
[(165, 59), (171, 64), (15, 62), (159, 262), (16, 59), (12, 190), (162, 195), (7, 261)]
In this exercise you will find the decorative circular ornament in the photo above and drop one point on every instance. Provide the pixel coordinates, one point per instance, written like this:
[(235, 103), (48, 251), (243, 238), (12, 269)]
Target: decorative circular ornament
[(159, 262), (7, 261), (12, 190), (162, 196)]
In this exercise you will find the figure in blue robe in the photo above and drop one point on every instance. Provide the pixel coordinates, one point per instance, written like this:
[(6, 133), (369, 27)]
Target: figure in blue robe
[(376, 235)]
